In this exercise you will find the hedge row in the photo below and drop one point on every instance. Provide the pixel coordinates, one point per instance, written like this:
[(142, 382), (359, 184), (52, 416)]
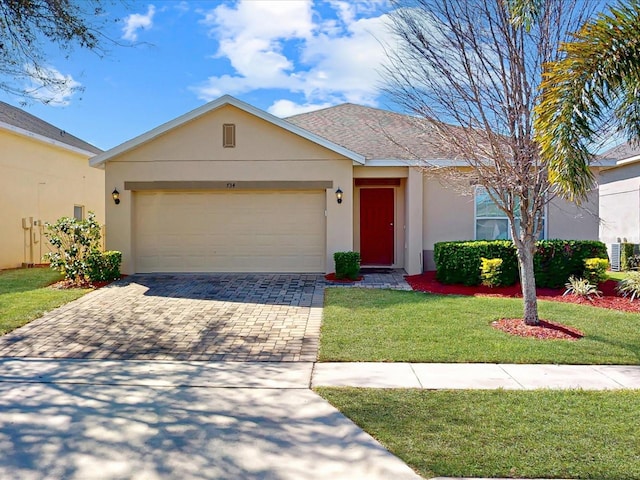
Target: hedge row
[(554, 262)]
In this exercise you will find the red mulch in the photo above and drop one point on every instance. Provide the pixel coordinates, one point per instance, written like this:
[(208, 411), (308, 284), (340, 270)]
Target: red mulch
[(331, 277), (546, 330), (66, 284), (610, 299)]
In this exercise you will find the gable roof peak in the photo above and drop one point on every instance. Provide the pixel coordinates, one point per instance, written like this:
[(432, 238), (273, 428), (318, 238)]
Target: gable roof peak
[(214, 105)]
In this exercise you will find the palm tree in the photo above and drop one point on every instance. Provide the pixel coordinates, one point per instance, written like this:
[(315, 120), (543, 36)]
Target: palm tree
[(595, 81)]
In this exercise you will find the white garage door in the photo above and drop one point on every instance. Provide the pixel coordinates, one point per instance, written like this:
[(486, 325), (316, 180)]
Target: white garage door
[(230, 231)]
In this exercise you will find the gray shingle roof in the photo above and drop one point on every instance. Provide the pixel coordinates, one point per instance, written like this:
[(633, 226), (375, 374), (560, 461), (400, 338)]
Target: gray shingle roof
[(622, 152), (21, 119), (377, 134)]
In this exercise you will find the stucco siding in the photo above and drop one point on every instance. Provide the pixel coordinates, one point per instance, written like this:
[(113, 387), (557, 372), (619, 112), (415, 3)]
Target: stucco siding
[(620, 204), (447, 215), (41, 181), (263, 152), (568, 220)]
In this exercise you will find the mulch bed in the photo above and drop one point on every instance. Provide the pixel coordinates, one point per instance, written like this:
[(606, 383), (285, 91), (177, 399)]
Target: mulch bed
[(515, 326), (610, 299), (546, 330), (67, 284)]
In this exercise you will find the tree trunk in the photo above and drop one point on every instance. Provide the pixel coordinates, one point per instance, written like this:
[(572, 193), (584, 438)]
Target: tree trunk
[(526, 250)]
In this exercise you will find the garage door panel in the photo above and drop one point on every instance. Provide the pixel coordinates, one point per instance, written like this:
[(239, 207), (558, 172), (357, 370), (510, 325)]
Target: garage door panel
[(230, 232)]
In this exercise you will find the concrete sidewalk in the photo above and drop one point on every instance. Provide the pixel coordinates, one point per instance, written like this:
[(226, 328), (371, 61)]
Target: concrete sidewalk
[(475, 376), (114, 419), (151, 420)]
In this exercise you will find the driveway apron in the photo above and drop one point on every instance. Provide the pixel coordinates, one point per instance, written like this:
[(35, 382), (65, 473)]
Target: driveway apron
[(179, 377), (211, 317)]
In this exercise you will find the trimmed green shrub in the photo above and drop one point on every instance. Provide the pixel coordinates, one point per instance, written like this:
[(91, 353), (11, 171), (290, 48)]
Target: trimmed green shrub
[(459, 262), (490, 271), (595, 270), (554, 262), (347, 264), (104, 266), (626, 253)]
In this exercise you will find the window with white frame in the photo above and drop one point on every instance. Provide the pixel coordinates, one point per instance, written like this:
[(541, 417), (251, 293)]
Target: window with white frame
[(491, 222)]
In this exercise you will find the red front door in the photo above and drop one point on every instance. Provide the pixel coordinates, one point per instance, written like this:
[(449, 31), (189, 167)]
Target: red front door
[(376, 226)]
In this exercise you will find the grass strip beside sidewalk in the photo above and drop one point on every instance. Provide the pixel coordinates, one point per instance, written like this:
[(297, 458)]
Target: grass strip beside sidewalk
[(532, 434), (397, 326)]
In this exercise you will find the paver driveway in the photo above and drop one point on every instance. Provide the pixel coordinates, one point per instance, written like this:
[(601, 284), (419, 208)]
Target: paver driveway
[(239, 317)]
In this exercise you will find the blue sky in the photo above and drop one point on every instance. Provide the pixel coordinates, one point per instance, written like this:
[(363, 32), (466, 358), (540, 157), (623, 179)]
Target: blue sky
[(285, 57)]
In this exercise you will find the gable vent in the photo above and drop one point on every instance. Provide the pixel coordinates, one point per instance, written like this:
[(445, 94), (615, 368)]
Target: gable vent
[(228, 135)]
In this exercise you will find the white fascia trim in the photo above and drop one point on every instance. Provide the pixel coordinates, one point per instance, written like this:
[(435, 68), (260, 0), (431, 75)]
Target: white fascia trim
[(439, 162), (43, 139), (627, 161), (213, 105)]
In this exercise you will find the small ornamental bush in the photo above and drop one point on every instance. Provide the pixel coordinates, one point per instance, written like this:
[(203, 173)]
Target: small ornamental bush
[(627, 251), (581, 287), (74, 241), (490, 271), (630, 286), (633, 262), (595, 270), (104, 266), (347, 265)]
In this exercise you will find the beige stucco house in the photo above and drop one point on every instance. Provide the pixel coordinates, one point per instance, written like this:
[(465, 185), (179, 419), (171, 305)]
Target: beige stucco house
[(44, 175), (620, 195), (231, 188)]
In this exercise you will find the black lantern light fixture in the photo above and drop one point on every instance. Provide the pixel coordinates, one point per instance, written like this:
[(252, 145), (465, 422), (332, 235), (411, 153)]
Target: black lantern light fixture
[(116, 196), (339, 195)]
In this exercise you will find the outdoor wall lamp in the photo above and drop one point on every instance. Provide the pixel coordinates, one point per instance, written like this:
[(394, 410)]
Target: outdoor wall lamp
[(116, 196), (339, 195)]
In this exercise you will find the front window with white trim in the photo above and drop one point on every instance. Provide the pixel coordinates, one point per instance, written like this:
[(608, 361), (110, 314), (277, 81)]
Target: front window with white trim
[(491, 222)]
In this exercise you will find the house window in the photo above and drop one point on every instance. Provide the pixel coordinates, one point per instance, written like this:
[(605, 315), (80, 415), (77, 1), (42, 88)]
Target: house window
[(78, 212), (228, 135), (491, 222)]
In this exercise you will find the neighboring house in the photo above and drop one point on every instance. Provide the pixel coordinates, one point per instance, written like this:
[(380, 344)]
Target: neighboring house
[(231, 188), (44, 175), (620, 195)]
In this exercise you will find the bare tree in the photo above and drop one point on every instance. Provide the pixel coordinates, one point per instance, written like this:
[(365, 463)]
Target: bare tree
[(28, 30), (470, 73)]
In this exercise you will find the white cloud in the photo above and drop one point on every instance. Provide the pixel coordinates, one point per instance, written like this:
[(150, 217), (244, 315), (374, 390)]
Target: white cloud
[(137, 21), (50, 86), (286, 45), (287, 108)]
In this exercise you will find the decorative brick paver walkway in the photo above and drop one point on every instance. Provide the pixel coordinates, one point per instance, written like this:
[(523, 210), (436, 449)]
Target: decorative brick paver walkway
[(182, 317), (234, 317)]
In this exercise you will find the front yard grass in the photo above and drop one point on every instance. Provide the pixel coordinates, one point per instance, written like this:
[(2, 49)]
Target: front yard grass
[(398, 326), (532, 434), (24, 296)]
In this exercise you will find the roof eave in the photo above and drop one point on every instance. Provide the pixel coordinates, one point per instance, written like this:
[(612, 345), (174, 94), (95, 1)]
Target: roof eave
[(214, 105), (43, 139)]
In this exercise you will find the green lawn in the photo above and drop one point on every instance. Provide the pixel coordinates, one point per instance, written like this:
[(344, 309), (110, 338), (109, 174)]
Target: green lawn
[(534, 434), (384, 325), (617, 276), (24, 296)]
